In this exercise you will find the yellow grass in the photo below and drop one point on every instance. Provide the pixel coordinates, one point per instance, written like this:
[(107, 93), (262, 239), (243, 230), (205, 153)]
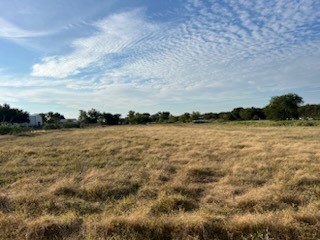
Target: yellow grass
[(161, 182)]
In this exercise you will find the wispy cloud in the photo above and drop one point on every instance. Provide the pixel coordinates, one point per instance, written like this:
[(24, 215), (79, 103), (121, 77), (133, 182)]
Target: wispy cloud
[(211, 51), (11, 31), (114, 36), (210, 37)]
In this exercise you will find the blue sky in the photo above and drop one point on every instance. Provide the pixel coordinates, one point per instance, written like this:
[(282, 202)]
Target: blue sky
[(150, 56)]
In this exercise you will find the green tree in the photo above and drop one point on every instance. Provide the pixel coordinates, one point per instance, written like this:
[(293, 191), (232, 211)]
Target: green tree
[(164, 116), (310, 111), (110, 119), (210, 116), (93, 115), (284, 107), (12, 115), (51, 117), (131, 116), (83, 117), (185, 118), (235, 114), (252, 113), (195, 115)]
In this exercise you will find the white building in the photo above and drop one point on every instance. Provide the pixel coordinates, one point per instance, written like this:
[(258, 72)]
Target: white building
[(35, 120)]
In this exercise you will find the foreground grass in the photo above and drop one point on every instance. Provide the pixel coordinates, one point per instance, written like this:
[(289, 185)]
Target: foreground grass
[(161, 182)]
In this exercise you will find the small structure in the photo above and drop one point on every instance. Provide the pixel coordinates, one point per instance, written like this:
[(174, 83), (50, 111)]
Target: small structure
[(35, 120)]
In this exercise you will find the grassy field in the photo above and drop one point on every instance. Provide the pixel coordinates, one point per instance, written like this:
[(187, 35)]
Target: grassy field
[(161, 182)]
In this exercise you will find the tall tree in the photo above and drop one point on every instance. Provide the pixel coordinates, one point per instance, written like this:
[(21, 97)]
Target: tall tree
[(284, 107), (83, 117), (186, 117), (252, 114), (93, 115)]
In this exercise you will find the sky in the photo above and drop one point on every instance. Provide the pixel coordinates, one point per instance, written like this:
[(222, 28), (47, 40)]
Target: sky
[(150, 55)]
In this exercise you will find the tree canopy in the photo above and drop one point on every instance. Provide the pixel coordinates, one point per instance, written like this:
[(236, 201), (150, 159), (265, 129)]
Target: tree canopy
[(94, 116), (13, 115), (284, 107), (51, 117)]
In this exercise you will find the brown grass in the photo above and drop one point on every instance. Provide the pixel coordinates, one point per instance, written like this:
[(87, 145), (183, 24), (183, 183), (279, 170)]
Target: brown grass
[(161, 182)]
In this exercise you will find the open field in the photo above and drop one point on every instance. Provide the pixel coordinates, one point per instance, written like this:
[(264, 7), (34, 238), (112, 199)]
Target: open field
[(161, 182)]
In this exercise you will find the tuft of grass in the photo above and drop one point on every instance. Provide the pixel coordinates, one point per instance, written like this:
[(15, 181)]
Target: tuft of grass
[(29, 205), (65, 187), (148, 193), (123, 228), (103, 192), (204, 175), (262, 226), (5, 205), (11, 227), (47, 228), (189, 192), (308, 181), (66, 191), (173, 204)]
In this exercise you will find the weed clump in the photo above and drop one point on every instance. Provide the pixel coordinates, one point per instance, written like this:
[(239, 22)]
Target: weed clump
[(78, 206), (176, 227), (103, 192), (173, 204), (203, 175), (30, 205), (189, 192), (262, 226), (6, 128), (11, 227), (148, 193), (122, 228), (5, 205), (66, 191), (51, 228)]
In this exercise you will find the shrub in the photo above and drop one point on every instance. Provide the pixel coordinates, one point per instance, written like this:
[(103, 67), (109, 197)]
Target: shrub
[(53, 228), (50, 126), (6, 128), (70, 125), (171, 204), (102, 192)]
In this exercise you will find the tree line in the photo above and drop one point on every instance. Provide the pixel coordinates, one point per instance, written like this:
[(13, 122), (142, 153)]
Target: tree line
[(284, 107), (12, 115)]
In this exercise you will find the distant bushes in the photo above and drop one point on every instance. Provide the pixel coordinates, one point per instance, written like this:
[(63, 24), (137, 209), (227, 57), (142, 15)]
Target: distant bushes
[(6, 128), (292, 123), (50, 126)]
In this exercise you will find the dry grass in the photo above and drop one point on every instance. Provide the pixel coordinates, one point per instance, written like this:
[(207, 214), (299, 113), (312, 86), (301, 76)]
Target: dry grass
[(161, 182)]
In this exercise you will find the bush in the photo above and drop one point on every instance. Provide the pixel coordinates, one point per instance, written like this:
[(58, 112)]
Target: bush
[(103, 192), (70, 125), (6, 128), (50, 126), (173, 204)]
